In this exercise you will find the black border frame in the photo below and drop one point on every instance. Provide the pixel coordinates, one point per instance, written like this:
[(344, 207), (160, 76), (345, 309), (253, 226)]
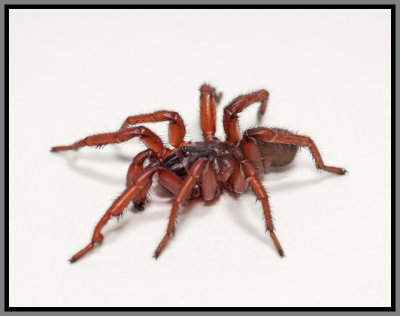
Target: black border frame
[(200, 6)]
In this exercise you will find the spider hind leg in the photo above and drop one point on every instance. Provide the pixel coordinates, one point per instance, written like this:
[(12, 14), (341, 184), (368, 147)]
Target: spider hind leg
[(272, 136)]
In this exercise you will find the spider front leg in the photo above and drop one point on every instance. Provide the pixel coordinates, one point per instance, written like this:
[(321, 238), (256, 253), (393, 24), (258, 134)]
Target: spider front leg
[(191, 179), (208, 101), (271, 136), (257, 187), (177, 129), (151, 140), (231, 111), (141, 182)]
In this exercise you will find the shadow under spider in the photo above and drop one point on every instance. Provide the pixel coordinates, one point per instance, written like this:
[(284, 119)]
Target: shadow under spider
[(96, 174)]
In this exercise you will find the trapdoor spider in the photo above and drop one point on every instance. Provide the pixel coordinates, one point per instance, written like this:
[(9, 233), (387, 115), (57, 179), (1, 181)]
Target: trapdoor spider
[(201, 169)]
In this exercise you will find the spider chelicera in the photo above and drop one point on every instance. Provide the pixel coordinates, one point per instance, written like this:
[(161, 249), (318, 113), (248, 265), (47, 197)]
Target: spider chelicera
[(201, 169)]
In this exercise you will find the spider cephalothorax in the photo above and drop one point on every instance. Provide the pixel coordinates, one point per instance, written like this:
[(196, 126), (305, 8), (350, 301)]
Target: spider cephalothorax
[(201, 169)]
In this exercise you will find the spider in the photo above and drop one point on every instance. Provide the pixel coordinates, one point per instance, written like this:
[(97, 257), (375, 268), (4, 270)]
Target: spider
[(200, 169)]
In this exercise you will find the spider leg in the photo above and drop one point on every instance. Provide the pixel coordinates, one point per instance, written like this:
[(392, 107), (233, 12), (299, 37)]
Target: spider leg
[(271, 136), (141, 182), (230, 120), (251, 152), (257, 187), (141, 198), (167, 179), (209, 183), (151, 140), (238, 182), (170, 181), (177, 129), (137, 165), (208, 100), (193, 176)]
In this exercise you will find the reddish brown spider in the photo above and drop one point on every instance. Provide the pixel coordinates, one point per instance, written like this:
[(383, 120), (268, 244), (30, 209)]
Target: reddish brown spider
[(201, 169)]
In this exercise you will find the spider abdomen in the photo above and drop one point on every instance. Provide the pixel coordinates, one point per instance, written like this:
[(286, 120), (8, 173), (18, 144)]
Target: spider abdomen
[(276, 155)]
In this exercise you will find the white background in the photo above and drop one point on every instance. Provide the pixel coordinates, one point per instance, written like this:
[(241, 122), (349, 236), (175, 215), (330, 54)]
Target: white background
[(75, 73)]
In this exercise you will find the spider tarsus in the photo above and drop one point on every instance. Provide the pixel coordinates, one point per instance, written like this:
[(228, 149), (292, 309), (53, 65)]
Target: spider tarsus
[(54, 149), (281, 253), (60, 148), (156, 254), (139, 206), (341, 171), (72, 260)]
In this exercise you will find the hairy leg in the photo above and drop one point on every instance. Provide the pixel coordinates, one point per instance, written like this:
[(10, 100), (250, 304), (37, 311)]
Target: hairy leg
[(141, 181), (238, 181), (177, 129), (209, 182), (137, 165), (231, 111), (251, 152), (168, 180), (191, 179), (271, 136), (208, 100), (151, 140), (258, 189)]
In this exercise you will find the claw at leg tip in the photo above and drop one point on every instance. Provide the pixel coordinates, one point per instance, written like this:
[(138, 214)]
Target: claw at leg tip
[(56, 149), (72, 260)]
